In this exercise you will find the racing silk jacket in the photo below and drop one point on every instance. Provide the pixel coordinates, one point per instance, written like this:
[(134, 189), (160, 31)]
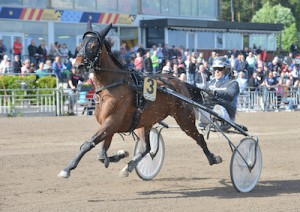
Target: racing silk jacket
[(227, 92)]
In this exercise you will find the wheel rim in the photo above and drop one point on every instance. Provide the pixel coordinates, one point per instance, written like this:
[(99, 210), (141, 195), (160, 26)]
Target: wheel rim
[(242, 178), (149, 167)]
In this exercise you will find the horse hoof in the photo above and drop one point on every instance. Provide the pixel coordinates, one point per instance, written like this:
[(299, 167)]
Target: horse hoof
[(124, 172), (212, 159), (64, 174), (218, 159), (106, 162), (123, 154)]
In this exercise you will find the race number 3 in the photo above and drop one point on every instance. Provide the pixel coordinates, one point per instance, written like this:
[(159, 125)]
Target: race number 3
[(149, 91)]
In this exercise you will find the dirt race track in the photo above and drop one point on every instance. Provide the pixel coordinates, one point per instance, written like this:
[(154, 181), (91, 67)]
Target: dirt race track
[(34, 150)]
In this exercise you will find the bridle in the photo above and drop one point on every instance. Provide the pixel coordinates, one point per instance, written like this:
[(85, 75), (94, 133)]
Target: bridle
[(91, 58)]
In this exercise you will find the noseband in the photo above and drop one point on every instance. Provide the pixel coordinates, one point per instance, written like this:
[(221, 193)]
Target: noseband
[(91, 59)]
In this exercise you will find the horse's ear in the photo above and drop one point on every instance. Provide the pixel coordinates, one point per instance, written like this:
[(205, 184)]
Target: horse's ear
[(104, 31), (89, 27)]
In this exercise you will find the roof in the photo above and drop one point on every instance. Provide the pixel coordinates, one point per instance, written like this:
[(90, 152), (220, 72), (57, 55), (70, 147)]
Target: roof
[(203, 25)]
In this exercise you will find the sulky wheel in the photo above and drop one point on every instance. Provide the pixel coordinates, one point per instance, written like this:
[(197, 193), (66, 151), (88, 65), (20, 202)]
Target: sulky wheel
[(245, 165), (151, 164)]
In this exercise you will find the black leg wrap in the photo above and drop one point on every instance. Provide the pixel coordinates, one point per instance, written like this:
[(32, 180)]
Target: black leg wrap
[(106, 160), (131, 166), (116, 158), (87, 146), (212, 159), (206, 151)]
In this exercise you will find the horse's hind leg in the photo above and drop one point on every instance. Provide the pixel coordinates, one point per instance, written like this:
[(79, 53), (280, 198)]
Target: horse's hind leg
[(104, 146), (187, 124), (143, 134)]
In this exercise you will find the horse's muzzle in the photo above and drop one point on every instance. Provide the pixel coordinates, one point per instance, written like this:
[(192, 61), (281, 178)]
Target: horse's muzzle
[(80, 68)]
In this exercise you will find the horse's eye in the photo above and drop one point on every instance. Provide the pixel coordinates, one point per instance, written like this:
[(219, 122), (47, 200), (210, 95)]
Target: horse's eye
[(94, 48)]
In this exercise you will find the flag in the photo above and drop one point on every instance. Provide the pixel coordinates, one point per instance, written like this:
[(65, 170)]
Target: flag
[(86, 16), (71, 16), (10, 13)]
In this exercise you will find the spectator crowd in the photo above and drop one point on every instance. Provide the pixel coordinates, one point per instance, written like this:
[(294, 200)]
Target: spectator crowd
[(252, 68), (40, 60)]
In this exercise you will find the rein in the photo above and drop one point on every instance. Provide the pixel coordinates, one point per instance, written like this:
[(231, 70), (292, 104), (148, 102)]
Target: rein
[(98, 90), (92, 61)]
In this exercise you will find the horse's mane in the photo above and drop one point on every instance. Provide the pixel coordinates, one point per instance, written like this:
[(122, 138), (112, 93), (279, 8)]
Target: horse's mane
[(108, 44)]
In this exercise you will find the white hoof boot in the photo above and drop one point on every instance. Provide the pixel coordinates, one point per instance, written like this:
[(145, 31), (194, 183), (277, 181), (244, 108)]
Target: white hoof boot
[(124, 172), (63, 174), (123, 153), (218, 159)]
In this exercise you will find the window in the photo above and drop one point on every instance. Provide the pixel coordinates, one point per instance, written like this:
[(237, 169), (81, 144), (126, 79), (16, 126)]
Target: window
[(26, 3), (185, 8), (206, 40), (66, 4), (194, 8), (129, 35), (66, 33), (108, 6), (170, 7), (128, 6), (233, 40), (272, 42), (177, 38), (207, 8), (258, 40), (85, 4), (154, 36), (12, 3), (198, 8), (219, 40), (36, 3), (151, 7)]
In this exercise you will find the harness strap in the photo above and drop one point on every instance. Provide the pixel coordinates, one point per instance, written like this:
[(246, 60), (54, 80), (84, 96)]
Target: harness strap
[(98, 90), (136, 118)]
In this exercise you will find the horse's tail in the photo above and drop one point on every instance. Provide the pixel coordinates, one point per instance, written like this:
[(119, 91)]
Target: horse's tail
[(195, 93), (197, 96)]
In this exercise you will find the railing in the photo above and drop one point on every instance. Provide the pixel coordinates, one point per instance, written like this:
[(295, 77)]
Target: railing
[(83, 103), (261, 99), (29, 102), (56, 102)]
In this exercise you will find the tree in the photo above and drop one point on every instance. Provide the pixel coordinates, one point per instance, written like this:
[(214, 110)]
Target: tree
[(278, 14), (289, 36), (247, 11), (244, 8)]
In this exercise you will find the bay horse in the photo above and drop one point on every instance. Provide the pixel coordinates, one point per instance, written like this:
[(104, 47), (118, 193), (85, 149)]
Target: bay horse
[(116, 108)]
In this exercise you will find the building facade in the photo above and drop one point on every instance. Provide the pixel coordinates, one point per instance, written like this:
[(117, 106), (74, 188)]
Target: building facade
[(134, 22)]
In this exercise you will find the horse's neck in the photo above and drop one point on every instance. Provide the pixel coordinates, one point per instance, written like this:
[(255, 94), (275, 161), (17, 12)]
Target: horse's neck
[(109, 72)]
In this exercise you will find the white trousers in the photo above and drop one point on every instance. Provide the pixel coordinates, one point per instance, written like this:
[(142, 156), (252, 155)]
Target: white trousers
[(206, 118)]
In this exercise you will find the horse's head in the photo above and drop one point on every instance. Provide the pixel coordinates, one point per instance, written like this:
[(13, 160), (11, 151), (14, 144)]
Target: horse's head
[(91, 49)]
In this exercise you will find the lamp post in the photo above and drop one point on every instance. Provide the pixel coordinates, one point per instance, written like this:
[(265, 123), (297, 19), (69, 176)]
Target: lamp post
[(231, 10)]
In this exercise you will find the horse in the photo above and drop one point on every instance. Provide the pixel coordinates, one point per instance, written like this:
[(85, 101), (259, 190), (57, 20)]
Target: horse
[(116, 108)]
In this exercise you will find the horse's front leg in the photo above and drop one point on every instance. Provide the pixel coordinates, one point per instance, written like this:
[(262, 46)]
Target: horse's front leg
[(85, 147), (143, 134), (106, 131)]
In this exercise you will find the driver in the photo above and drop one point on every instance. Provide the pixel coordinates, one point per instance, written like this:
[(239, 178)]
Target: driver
[(221, 94)]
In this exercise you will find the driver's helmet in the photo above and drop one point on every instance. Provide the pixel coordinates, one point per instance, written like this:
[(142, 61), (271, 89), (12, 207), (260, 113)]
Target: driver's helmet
[(221, 62)]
